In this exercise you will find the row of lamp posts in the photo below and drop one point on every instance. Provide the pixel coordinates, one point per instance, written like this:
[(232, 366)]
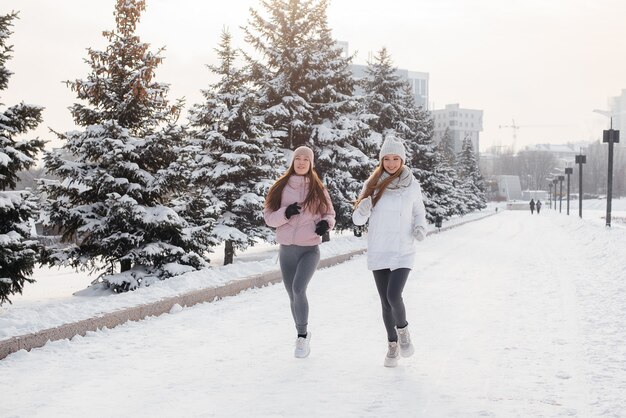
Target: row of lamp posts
[(559, 179), (610, 136), (552, 182)]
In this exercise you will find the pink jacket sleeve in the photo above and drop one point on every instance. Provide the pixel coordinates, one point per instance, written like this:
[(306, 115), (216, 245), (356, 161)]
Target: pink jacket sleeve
[(276, 218), (329, 216)]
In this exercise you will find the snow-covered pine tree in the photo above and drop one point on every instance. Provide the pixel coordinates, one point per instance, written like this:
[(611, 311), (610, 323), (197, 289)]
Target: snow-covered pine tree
[(446, 147), (472, 179), (307, 94), (116, 203), (435, 175), (18, 251), (194, 205), (443, 193), (384, 99), (236, 159), (283, 43), (388, 108), (391, 110), (339, 139)]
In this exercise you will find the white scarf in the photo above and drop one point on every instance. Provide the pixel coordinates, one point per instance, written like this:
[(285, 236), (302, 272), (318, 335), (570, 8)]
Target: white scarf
[(403, 180)]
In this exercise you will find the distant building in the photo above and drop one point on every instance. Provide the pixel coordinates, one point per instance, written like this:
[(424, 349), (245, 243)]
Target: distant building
[(509, 187), (534, 194), (461, 123), (567, 151), (419, 81), (564, 153)]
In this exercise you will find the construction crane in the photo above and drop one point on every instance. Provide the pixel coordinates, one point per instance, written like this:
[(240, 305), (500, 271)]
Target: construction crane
[(515, 127)]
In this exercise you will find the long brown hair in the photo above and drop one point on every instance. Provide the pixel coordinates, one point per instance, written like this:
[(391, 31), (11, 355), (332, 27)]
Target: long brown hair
[(372, 188), (315, 200)]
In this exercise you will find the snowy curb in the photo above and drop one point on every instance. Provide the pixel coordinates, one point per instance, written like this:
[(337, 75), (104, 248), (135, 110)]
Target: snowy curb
[(139, 312)]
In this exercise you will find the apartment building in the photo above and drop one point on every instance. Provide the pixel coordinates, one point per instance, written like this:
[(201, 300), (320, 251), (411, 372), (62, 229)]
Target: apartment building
[(461, 123)]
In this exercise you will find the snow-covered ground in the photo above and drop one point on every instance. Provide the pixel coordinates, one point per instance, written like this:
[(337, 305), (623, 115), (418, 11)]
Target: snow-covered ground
[(61, 295), (512, 316)]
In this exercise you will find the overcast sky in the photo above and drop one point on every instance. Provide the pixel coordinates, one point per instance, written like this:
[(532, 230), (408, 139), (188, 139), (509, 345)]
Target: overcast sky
[(544, 63)]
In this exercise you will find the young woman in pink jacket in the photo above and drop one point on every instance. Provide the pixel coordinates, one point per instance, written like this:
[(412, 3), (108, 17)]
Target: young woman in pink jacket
[(299, 207)]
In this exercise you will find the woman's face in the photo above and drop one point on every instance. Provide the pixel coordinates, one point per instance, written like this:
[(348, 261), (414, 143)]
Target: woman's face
[(392, 163), (301, 164)]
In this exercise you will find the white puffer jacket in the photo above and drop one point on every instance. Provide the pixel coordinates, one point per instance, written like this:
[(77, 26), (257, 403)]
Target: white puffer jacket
[(390, 241)]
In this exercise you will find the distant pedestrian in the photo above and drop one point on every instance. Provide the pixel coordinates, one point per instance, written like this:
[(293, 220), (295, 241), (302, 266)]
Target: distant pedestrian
[(532, 206), (538, 206), (299, 207), (392, 201)]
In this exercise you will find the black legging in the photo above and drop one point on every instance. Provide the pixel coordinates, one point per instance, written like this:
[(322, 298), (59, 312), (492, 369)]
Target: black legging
[(390, 285)]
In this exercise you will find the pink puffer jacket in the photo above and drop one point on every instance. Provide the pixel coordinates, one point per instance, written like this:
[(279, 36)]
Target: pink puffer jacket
[(299, 229)]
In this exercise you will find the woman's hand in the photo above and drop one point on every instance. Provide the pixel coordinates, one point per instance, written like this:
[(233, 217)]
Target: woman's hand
[(321, 227), (419, 233), (293, 209), (365, 207)]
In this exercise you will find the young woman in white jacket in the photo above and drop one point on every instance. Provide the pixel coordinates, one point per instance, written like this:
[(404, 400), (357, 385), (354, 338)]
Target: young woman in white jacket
[(392, 201)]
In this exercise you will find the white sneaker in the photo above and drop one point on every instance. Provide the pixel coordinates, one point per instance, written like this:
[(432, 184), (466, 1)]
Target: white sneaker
[(302, 346), (393, 353), (404, 338)]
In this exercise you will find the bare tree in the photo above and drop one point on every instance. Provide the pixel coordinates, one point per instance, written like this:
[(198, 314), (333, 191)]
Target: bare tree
[(533, 167)]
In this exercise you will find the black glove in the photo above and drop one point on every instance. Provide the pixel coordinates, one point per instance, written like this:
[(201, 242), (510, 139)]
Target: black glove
[(321, 227), (293, 209)]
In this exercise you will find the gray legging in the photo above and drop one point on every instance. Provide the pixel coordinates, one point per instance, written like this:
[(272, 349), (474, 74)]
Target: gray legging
[(297, 265), (390, 285)]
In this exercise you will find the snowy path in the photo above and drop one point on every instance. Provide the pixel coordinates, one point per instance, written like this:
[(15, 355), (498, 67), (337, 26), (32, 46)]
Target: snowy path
[(511, 316)]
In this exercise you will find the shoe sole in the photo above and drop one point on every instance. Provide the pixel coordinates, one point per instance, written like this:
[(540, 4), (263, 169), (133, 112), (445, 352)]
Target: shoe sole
[(392, 363), (304, 356), (407, 352)]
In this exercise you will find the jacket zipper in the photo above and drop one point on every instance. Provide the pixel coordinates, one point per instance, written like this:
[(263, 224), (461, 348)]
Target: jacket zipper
[(295, 229)]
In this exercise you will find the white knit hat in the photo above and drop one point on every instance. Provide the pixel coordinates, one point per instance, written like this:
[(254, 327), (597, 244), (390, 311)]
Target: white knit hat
[(392, 145), (303, 150)]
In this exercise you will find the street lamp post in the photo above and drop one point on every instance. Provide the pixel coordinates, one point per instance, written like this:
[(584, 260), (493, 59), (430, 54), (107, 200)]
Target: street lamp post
[(610, 136), (568, 171), (555, 181), (561, 178), (580, 160)]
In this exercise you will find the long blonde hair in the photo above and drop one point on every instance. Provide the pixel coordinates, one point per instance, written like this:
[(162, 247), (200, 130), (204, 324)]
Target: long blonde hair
[(372, 188), (315, 199)]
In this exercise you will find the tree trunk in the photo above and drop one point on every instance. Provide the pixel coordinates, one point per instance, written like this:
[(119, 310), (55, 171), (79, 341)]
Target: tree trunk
[(229, 252), (124, 266)]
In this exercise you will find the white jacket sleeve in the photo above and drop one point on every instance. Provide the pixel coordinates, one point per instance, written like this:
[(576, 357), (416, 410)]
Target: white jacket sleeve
[(358, 216), (419, 211)]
